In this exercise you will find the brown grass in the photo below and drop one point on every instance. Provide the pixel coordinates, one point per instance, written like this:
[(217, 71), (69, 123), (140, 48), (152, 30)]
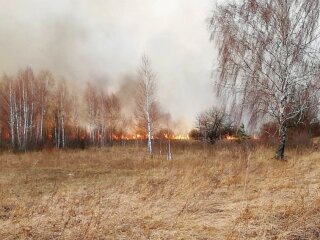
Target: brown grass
[(120, 193)]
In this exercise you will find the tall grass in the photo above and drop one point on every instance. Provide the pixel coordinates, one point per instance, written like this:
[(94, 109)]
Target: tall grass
[(224, 192)]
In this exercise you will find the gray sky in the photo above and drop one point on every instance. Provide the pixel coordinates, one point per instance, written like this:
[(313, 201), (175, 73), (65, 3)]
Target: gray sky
[(102, 40)]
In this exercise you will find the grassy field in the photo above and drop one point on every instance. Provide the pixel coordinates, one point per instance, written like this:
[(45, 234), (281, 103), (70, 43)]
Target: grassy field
[(121, 193)]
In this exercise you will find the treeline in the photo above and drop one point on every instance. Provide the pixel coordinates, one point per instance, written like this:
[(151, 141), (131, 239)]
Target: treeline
[(37, 111), (216, 124)]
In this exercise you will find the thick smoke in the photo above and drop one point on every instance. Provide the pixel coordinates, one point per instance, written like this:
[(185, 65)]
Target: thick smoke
[(103, 41)]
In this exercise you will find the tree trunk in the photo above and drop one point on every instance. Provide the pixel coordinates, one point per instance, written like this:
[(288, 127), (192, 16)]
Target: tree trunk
[(42, 119), (282, 141), (62, 132), (149, 133), (111, 137), (169, 157), (11, 116)]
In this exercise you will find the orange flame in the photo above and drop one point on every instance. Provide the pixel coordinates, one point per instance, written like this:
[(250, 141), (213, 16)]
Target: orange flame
[(181, 137), (231, 138)]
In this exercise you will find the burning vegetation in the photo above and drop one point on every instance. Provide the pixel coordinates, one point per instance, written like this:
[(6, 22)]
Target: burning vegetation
[(37, 110)]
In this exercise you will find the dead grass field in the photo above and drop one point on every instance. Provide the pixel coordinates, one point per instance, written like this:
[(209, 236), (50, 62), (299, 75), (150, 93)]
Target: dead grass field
[(120, 193)]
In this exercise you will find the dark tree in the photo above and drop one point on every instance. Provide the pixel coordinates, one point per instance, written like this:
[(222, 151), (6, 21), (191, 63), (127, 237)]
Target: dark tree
[(214, 124)]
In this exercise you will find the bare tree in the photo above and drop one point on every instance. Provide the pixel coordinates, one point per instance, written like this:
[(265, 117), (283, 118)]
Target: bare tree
[(75, 118), (113, 114), (24, 107), (44, 82), (147, 108), (6, 107), (61, 113), (269, 58), (94, 112), (19, 95)]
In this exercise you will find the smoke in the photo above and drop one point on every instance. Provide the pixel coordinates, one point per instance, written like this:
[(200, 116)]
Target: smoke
[(103, 40)]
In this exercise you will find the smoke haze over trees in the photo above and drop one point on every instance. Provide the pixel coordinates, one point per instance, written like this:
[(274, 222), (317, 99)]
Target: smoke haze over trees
[(91, 52), (102, 41)]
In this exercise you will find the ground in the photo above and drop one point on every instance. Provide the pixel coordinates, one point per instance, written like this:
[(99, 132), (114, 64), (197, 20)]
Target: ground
[(233, 192)]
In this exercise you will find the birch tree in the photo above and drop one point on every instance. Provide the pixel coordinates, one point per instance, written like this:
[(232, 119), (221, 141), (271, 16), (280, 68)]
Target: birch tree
[(44, 82), (112, 114), (75, 118), (61, 113), (146, 104), (19, 95), (268, 58), (93, 105), (24, 107)]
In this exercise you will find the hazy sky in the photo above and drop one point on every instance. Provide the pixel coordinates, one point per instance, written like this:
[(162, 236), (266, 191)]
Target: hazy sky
[(103, 40)]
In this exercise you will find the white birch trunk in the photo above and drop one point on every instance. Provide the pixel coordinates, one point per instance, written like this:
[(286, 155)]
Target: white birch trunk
[(149, 133), (11, 123), (169, 157)]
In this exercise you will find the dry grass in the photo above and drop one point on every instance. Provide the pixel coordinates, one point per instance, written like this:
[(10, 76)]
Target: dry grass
[(120, 193)]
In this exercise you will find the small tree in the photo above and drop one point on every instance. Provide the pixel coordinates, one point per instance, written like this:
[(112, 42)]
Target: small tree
[(214, 124), (241, 133), (195, 134), (269, 58)]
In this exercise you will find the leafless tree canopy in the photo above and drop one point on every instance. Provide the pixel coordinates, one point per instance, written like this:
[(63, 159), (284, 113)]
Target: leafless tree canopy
[(147, 108), (146, 89), (269, 56), (213, 124), (103, 114)]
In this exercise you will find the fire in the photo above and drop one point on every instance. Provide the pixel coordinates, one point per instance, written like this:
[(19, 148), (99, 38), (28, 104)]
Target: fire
[(115, 137), (181, 137), (129, 136), (140, 136), (231, 138), (7, 136)]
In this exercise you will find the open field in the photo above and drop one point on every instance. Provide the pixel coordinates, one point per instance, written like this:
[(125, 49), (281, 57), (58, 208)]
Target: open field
[(121, 193)]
